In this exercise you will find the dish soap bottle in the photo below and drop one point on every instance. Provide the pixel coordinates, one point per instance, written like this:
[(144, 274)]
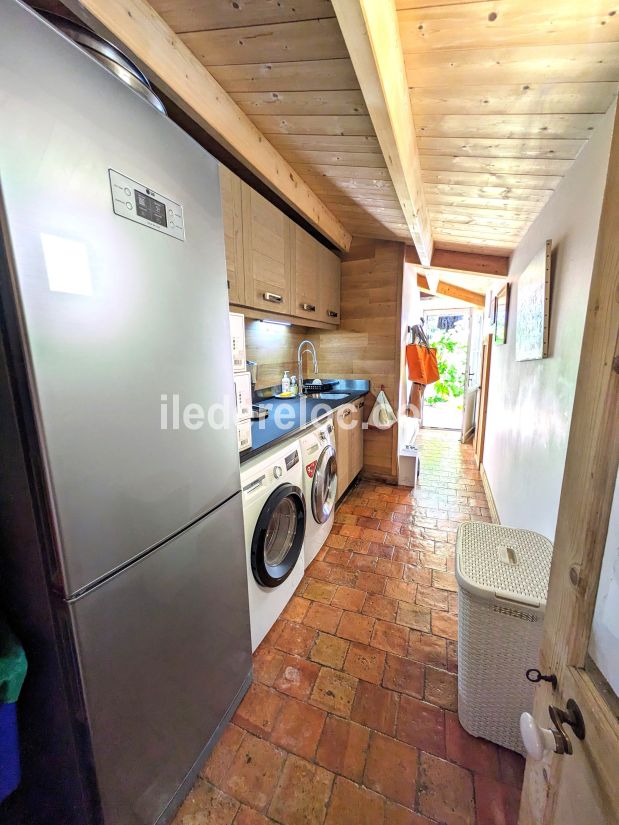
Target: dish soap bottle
[(285, 383), (294, 388)]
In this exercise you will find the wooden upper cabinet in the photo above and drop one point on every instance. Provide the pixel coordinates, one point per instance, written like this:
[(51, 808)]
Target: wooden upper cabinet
[(305, 275), (233, 234), (272, 264), (267, 254), (330, 276)]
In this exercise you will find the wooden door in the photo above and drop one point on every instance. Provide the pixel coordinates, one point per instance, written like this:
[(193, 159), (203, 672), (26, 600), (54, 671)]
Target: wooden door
[(342, 420), (305, 275), (356, 439), (330, 277), (267, 253), (583, 788), (231, 207), (482, 406)]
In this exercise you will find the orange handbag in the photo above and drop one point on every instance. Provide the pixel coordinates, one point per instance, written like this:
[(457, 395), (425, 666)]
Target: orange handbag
[(422, 364)]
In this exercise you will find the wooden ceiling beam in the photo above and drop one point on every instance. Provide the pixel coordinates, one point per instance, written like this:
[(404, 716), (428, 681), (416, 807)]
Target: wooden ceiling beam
[(463, 263), (136, 26), (452, 291), (371, 33)]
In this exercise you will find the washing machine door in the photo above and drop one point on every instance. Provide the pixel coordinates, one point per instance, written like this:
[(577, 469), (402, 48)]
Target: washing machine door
[(278, 536), (324, 485)]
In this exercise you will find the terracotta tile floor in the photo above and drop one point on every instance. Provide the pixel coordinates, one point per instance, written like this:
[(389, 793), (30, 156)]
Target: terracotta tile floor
[(351, 719)]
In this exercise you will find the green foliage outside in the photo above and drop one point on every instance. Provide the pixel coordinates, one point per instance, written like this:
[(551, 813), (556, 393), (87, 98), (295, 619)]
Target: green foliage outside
[(451, 356)]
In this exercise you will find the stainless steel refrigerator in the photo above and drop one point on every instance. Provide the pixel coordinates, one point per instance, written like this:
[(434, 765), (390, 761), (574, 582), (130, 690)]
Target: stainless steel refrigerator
[(122, 554)]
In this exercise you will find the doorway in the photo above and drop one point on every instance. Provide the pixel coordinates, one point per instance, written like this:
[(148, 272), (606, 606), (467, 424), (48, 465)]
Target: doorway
[(448, 330)]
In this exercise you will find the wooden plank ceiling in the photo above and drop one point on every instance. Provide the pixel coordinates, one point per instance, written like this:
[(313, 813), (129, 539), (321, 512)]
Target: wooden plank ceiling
[(505, 93), (286, 65)]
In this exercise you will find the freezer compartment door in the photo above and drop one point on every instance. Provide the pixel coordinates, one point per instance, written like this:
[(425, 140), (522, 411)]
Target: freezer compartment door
[(163, 647), (125, 327)]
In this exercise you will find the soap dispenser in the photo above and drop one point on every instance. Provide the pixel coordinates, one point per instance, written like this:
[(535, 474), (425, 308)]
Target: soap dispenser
[(285, 383)]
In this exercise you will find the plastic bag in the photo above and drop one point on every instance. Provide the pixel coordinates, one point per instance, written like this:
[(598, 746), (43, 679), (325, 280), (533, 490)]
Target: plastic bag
[(382, 416)]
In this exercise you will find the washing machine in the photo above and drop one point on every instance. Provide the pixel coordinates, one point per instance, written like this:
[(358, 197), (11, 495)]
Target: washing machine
[(319, 485), (274, 514)]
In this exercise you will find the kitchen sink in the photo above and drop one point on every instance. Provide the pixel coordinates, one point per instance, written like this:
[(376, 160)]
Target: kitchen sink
[(328, 396)]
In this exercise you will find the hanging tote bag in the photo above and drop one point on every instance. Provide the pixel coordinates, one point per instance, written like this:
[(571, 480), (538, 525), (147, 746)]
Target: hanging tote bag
[(382, 416), (421, 359)]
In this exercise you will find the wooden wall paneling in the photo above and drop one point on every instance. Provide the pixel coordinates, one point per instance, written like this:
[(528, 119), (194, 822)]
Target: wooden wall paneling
[(367, 343), (274, 348)]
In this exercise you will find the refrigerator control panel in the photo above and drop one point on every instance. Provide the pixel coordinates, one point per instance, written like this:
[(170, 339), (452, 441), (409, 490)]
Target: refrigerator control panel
[(143, 205)]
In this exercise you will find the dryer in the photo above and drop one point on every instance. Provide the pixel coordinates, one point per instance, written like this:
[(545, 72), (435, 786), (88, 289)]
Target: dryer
[(274, 515), (319, 485)]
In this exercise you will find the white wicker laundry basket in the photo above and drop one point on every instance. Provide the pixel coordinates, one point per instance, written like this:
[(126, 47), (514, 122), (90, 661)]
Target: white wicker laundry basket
[(502, 578)]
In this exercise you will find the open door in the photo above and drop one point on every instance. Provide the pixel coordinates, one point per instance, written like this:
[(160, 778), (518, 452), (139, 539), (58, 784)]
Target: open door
[(472, 378), (582, 788)]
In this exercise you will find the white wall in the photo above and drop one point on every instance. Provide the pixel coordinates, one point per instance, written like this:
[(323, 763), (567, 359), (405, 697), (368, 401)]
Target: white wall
[(530, 402)]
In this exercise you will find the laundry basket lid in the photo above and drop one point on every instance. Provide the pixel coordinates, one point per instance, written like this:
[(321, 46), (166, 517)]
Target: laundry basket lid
[(504, 562)]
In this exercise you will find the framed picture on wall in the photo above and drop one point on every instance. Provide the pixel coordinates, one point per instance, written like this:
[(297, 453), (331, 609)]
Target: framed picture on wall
[(533, 307), (501, 312)]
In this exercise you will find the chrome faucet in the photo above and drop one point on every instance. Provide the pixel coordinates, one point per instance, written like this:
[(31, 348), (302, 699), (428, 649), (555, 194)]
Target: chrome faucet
[(305, 346)]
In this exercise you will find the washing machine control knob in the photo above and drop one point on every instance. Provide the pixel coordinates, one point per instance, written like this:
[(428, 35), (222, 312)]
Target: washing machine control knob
[(277, 471)]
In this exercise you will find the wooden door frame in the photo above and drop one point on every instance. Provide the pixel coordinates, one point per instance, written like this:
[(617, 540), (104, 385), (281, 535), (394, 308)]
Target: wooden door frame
[(482, 407), (582, 526)]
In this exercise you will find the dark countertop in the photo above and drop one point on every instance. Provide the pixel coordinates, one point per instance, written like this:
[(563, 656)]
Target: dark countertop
[(290, 416)]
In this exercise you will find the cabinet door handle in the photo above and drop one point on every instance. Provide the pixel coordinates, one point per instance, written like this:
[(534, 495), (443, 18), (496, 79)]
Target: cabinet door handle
[(270, 296), (308, 307), (331, 314), (228, 282)]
